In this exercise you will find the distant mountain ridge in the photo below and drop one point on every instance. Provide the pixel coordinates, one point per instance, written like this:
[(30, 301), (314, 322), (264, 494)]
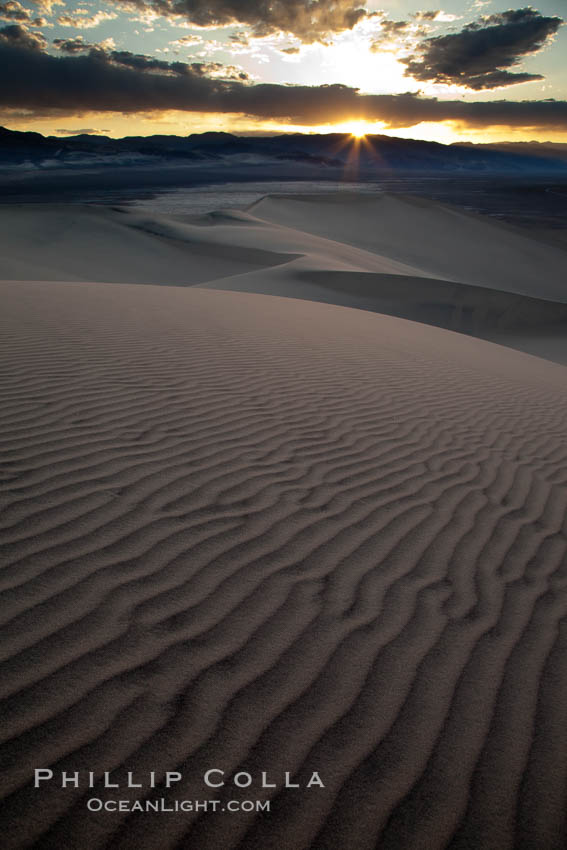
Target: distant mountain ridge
[(375, 153), (548, 150)]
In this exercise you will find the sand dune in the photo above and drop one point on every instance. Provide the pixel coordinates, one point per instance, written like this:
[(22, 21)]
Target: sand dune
[(401, 256), (257, 533), (260, 534), (75, 242), (440, 240)]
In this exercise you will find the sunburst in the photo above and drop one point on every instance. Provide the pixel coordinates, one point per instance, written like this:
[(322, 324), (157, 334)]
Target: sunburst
[(358, 129)]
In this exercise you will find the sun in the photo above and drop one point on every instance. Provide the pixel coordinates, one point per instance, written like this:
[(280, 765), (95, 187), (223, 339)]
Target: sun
[(358, 129)]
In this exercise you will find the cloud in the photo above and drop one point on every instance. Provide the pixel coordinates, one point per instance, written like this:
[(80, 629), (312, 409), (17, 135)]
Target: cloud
[(216, 70), (393, 28), (83, 131), (139, 62), (426, 16), (481, 54), (104, 52), (309, 20), (21, 38), (187, 40), (403, 36), (392, 36), (46, 6), (119, 81), (84, 22), (72, 45), (14, 11), (240, 38), (436, 15), (79, 45)]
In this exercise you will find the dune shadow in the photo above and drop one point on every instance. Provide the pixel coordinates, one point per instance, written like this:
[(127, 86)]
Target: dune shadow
[(472, 310)]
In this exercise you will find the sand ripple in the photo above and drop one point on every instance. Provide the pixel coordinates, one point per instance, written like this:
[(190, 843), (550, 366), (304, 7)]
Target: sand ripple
[(263, 534)]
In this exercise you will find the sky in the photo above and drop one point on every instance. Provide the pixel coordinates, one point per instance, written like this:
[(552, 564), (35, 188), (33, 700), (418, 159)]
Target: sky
[(466, 70)]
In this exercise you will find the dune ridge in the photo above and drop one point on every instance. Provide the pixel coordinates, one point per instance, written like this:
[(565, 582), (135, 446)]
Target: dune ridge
[(260, 533), (402, 256), (445, 241)]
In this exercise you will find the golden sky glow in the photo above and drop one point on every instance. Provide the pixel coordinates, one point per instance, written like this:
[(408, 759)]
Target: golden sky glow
[(117, 125)]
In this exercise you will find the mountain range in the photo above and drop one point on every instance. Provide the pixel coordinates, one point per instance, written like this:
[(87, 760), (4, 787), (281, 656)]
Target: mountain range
[(374, 153)]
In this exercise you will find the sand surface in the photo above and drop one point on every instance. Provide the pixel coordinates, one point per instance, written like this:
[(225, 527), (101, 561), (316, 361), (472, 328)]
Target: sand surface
[(259, 533)]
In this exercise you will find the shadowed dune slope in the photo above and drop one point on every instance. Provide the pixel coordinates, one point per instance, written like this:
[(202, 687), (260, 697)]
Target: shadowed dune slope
[(528, 324), (262, 534), (441, 240)]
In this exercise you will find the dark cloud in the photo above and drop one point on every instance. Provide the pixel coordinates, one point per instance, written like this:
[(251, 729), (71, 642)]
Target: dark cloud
[(82, 131), (480, 56), (78, 44), (309, 20), (217, 69), (426, 16), (20, 37), (392, 28), (139, 62), (72, 45), (118, 81)]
